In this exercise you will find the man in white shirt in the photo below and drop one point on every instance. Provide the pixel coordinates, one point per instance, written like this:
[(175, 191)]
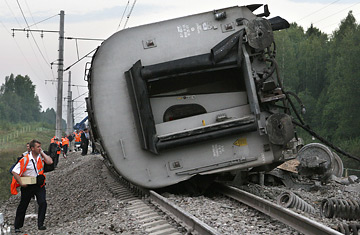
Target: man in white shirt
[(31, 165)]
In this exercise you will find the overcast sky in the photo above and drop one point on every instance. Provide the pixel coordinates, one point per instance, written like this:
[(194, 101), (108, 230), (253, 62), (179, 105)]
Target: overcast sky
[(100, 19)]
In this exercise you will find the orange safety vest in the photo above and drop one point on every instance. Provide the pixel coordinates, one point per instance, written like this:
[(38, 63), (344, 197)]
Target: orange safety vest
[(65, 141), (52, 139), (23, 163), (77, 137)]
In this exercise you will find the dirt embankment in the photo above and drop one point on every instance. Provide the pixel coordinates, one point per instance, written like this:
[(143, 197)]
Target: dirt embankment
[(78, 202)]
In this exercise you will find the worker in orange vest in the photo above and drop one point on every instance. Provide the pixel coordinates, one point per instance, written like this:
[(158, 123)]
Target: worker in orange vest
[(52, 139), (65, 145), (77, 136), (32, 164)]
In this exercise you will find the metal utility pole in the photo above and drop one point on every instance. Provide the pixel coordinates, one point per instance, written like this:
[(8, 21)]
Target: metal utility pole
[(69, 116), (58, 131)]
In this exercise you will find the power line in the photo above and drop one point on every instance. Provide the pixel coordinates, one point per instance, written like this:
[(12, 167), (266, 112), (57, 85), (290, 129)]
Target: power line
[(32, 17), (128, 16), (32, 34), (47, 56), (43, 20), (22, 53), (5, 27), (12, 13), (80, 95), (336, 13), (37, 59), (80, 106), (336, 23), (80, 59), (322, 8), (122, 17)]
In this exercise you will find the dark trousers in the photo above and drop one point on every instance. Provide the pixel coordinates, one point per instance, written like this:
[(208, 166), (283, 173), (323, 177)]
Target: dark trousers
[(93, 147), (56, 160), (26, 194), (65, 149), (84, 147)]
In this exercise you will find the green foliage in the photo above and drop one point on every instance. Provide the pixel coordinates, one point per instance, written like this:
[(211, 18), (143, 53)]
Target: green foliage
[(19, 103), (323, 71), (21, 119), (18, 100), (14, 148)]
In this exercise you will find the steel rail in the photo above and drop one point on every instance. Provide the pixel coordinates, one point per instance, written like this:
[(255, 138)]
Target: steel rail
[(286, 216), (191, 221)]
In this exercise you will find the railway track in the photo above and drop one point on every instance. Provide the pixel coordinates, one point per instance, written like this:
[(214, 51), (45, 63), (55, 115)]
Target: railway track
[(286, 216), (155, 213), (159, 215)]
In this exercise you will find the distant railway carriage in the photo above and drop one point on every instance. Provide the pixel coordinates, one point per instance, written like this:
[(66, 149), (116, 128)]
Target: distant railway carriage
[(195, 95)]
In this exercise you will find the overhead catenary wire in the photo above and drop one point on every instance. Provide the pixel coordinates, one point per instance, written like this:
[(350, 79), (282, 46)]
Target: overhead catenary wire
[(122, 17), (46, 62), (336, 13), (79, 106), (44, 20), (77, 47), (322, 8), (46, 54), (80, 95), (78, 114), (128, 16), (80, 59), (42, 55), (12, 13), (32, 17), (22, 52)]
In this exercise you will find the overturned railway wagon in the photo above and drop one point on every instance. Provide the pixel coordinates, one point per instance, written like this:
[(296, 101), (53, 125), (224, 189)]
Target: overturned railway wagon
[(191, 96)]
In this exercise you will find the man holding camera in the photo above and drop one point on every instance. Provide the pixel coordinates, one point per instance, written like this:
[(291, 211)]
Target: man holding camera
[(31, 165)]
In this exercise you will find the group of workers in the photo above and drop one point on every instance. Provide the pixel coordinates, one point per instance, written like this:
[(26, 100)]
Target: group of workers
[(81, 138)]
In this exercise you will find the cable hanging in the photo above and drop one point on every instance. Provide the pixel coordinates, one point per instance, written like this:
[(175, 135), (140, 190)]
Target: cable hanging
[(306, 127)]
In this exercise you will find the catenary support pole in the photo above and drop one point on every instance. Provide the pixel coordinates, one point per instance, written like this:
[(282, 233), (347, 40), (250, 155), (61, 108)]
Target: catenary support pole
[(58, 131)]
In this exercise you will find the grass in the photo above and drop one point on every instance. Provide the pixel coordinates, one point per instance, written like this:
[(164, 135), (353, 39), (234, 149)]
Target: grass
[(13, 149)]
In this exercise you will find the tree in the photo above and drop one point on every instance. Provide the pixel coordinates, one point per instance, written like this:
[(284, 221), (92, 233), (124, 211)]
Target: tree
[(340, 115), (18, 101)]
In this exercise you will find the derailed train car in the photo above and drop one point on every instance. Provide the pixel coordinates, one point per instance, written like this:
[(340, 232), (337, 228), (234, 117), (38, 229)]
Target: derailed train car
[(196, 95)]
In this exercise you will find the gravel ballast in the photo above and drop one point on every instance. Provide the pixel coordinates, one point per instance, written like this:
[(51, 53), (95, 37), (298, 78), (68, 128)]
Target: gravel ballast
[(79, 202)]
